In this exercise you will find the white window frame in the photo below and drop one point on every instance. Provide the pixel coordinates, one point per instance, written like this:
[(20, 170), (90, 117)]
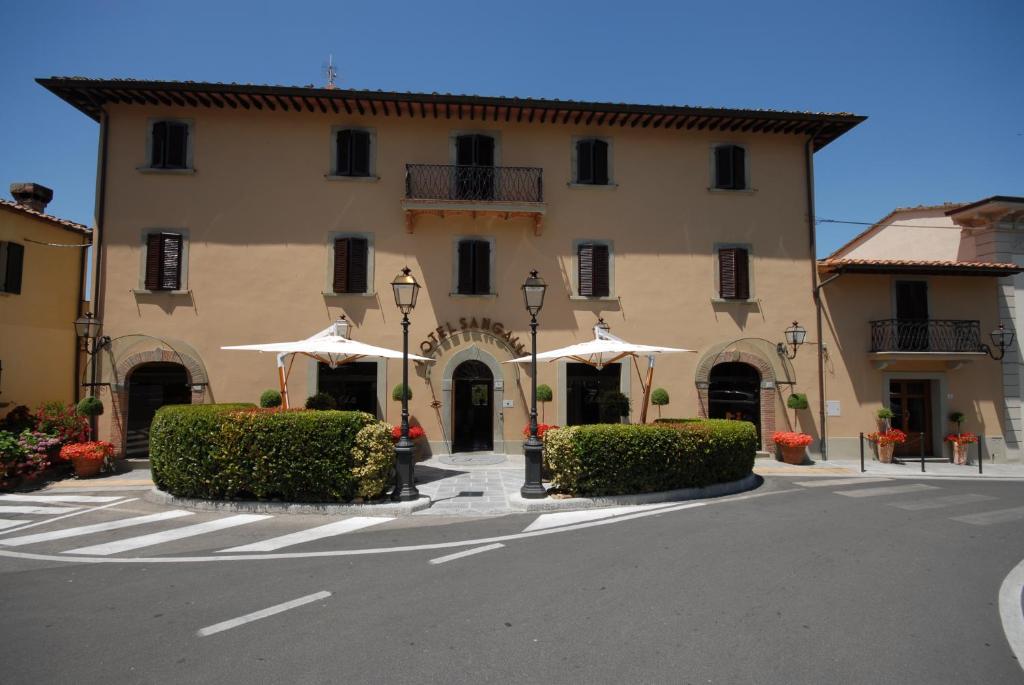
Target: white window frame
[(143, 250), (492, 291), (189, 147), (575, 272), (574, 179), (716, 296), (370, 258), (713, 169), (332, 165)]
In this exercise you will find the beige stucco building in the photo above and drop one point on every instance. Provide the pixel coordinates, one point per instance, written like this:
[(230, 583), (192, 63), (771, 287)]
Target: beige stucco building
[(42, 260), (235, 214)]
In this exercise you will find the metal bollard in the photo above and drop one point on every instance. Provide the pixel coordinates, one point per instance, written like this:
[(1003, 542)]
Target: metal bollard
[(921, 441), (862, 453), (979, 457)]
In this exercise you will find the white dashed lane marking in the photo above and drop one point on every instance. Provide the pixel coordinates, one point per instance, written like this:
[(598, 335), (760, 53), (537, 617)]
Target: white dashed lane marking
[(46, 511), (891, 490), (329, 530), (939, 502), (76, 499), (262, 613), (566, 518), (840, 481), (466, 553), (94, 528), (988, 518), (167, 535)]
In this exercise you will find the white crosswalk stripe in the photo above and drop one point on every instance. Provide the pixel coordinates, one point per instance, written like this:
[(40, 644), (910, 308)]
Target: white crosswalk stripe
[(890, 490), (9, 523), (988, 518), (168, 535), (940, 502), (73, 499), (840, 481), (93, 528), (565, 518), (310, 534), (25, 509)]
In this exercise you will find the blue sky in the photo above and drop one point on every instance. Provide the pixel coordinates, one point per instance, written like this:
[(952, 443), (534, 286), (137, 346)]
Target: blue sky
[(940, 81)]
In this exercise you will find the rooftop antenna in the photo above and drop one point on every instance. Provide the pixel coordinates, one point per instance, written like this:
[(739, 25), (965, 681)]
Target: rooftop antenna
[(331, 73)]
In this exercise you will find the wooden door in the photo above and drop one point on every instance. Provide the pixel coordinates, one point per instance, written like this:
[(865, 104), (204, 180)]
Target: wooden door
[(911, 404)]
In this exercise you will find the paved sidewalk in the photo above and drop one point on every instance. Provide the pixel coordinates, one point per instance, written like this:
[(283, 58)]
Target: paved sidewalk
[(464, 490)]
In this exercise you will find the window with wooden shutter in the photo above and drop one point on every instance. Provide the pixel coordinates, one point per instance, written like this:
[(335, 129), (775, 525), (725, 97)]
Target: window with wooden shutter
[(170, 145), (594, 270), (592, 162), (733, 273), (12, 264), (474, 268), (353, 153), (730, 167), (351, 265), (164, 254)]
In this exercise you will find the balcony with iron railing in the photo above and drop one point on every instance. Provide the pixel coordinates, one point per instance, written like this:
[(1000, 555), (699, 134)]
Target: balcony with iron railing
[(504, 191), (950, 339)]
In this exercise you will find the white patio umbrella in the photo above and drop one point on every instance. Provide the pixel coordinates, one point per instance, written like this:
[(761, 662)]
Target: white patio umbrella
[(330, 346), (606, 349)]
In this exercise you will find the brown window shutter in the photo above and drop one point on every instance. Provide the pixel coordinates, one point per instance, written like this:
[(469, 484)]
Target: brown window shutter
[(481, 267), (13, 269), (585, 258), (600, 163), (341, 251), (585, 161), (742, 274), (153, 244), (360, 153), (170, 261), (158, 156), (602, 286), (733, 273), (466, 276), (739, 170), (177, 146), (358, 253)]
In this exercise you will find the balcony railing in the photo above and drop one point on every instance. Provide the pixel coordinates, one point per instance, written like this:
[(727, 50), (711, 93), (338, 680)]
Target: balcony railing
[(474, 183), (926, 335)]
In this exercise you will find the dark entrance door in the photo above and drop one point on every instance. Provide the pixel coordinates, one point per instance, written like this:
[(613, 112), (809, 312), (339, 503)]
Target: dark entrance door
[(734, 392), (912, 315), (584, 386), (911, 404), (474, 173), (150, 387), (353, 386), (472, 413)]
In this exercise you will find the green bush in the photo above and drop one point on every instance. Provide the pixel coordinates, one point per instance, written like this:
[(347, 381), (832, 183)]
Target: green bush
[(659, 397), (613, 405), (544, 393), (668, 420), (237, 451), (322, 401), (884, 413), (396, 393), (90, 406), (797, 400), (616, 459), (270, 399), (181, 447)]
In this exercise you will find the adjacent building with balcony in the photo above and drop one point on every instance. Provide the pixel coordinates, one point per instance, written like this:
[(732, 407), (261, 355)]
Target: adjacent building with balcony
[(916, 309), (232, 214)]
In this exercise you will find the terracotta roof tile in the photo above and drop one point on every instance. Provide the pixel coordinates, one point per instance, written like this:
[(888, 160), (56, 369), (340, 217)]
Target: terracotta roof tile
[(56, 220), (919, 266)]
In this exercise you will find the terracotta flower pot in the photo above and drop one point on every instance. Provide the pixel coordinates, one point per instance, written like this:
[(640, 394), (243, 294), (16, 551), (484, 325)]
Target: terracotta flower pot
[(793, 455), (87, 468), (959, 453), (885, 452)]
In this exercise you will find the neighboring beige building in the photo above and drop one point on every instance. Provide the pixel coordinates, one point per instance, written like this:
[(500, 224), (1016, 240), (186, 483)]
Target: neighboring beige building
[(233, 214), (42, 260), (910, 306)]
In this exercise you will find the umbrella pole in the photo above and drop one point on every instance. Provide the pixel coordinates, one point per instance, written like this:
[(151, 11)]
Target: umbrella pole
[(282, 379), (647, 388)]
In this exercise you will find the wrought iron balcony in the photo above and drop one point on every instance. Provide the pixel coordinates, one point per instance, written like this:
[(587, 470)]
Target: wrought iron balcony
[(926, 335), (474, 183)]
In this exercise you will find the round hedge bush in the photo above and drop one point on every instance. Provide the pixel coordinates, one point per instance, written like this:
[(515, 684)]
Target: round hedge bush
[(90, 406), (321, 400), (396, 393), (659, 397), (270, 399), (544, 393), (619, 459), (240, 452)]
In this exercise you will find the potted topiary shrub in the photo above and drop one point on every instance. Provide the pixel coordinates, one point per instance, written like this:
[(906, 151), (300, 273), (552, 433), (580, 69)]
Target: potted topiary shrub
[(793, 446), (321, 401), (886, 442), (544, 396), (270, 399), (960, 441), (883, 417), (659, 398), (396, 392), (90, 406), (613, 406)]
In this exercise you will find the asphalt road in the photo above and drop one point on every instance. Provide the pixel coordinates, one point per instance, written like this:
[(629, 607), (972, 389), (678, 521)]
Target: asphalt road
[(795, 584)]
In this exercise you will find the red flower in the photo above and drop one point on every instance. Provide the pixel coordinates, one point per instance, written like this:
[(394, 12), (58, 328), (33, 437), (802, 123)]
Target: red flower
[(415, 432), (962, 438), (542, 428), (97, 450), (893, 436), (787, 439)]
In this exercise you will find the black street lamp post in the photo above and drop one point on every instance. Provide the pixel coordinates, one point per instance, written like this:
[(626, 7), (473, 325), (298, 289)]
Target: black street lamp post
[(406, 290), (533, 450), (87, 328)]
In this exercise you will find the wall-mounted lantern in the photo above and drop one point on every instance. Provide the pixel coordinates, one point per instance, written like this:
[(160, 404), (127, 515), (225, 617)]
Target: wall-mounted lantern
[(1002, 339), (796, 335)]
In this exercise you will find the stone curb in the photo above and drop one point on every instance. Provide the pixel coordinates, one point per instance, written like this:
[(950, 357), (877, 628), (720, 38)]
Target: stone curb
[(254, 507), (735, 487)]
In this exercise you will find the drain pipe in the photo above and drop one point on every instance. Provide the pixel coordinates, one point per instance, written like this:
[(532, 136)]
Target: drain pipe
[(812, 230)]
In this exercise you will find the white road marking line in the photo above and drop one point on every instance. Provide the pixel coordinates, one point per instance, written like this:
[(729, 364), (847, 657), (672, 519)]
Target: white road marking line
[(466, 553), (79, 499), (891, 490), (76, 513), (94, 528), (9, 523), (168, 535), (939, 502), (262, 613), (990, 517), (840, 481), (565, 518), (1011, 593), (329, 530), (21, 509)]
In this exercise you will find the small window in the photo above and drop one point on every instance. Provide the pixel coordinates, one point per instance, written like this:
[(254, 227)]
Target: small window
[(730, 167), (163, 261), (353, 153), (592, 162), (170, 145), (12, 263), (594, 271), (474, 267), (733, 273), (351, 265)]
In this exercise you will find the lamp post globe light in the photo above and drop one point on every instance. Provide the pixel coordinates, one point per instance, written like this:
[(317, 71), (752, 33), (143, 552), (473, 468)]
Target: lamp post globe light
[(796, 335), (406, 290), (1002, 339), (533, 449)]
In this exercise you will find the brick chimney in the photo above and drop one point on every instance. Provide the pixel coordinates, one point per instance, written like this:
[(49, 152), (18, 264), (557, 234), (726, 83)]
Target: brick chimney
[(34, 196)]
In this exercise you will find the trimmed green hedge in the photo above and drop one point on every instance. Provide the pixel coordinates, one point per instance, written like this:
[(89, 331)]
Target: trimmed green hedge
[(219, 452), (617, 459)]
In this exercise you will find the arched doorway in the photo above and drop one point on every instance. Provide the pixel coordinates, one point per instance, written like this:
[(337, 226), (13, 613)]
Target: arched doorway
[(151, 386), (734, 392), (472, 408)]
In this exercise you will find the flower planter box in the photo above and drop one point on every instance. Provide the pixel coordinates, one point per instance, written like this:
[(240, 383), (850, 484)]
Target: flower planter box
[(793, 455)]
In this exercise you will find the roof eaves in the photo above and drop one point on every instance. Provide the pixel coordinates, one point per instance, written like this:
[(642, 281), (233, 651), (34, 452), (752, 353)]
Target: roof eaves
[(49, 218)]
